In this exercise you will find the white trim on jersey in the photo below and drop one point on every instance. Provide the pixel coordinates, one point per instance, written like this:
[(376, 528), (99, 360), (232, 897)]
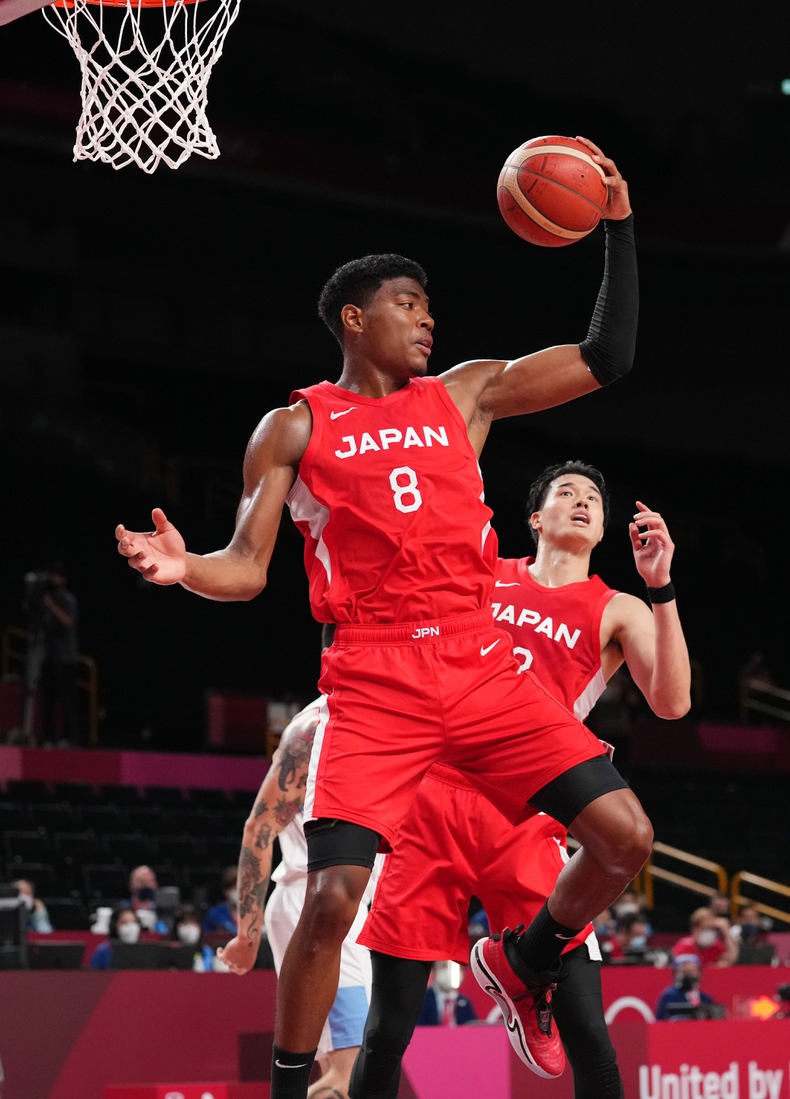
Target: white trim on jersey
[(306, 509), (589, 696), (315, 756)]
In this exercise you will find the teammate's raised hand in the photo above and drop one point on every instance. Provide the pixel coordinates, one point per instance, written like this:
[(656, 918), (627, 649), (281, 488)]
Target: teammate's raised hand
[(652, 546), (619, 205), (159, 556)]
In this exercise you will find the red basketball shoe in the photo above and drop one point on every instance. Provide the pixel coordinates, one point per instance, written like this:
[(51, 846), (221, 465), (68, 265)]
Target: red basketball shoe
[(525, 1004)]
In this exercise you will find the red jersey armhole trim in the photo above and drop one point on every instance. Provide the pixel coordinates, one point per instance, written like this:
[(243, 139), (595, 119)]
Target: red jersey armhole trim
[(317, 428), (600, 607), (453, 408)]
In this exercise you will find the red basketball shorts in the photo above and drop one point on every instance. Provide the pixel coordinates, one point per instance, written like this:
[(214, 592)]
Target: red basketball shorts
[(399, 698), (454, 845)]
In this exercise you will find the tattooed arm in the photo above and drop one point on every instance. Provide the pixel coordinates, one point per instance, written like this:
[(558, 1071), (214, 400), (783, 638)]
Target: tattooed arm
[(279, 799)]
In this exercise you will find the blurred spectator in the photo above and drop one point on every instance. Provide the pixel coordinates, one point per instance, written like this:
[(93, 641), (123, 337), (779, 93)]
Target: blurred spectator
[(442, 1005), (142, 887), (124, 928), (748, 925), (224, 916), (720, 906), (627, 944), (58, 608), (749, 934), (627, 903), (605, 924), (38, 917), (710, 939), (685, 992), (187, 930)]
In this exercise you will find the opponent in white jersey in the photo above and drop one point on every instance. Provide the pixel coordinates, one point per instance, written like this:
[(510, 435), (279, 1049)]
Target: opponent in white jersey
[(278, 812)]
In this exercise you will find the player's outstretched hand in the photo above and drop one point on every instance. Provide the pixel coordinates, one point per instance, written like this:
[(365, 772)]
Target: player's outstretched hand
[(159, 556), (619, 205), (238, 956), (652, 546)]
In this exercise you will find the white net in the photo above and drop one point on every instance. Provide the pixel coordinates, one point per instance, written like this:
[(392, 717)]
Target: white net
[(145, 73)]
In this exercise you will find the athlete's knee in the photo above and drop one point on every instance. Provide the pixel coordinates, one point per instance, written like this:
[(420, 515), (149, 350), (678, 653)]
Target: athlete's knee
[(616, 831), (332, 901)]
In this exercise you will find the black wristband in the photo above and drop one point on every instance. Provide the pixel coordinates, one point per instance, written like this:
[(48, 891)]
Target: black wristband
[(661, 595)]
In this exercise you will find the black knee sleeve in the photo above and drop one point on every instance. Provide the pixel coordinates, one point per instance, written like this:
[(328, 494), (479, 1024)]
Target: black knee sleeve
[(566, 796), (397, 996), (339, 843)]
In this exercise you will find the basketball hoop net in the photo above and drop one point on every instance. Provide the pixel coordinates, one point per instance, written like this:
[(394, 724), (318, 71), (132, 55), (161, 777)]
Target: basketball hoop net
[(145, 66)]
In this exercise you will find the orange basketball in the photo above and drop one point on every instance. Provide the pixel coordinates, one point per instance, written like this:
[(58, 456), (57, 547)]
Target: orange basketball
[(551, 191)]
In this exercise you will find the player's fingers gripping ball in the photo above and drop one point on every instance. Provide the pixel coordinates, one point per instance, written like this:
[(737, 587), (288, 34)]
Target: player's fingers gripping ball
[(551, 192)]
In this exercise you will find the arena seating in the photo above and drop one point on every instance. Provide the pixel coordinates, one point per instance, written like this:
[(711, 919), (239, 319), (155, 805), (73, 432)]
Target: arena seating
[(78, 844)]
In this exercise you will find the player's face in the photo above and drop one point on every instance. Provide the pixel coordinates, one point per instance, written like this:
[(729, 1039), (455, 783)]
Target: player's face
[(397, 329), (572, 513)]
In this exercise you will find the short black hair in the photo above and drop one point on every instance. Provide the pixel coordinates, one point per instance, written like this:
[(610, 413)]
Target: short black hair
[(539, 488), (357, 281)]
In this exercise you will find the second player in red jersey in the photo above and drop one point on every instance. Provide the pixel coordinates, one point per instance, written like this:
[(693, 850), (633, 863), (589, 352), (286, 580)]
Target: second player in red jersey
[(571, 632)]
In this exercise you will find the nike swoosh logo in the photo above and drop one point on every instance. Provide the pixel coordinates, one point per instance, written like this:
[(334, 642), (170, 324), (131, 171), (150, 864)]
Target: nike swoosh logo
[(501, 584), (484, 651), (345, 412), (281, 1065), (567, 938)]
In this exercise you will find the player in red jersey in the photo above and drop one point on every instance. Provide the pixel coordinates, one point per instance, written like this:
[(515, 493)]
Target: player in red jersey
[(572, 632), (381, 474)]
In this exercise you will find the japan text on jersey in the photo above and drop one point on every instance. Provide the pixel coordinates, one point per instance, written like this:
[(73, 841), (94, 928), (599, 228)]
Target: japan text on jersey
[(389, 498)]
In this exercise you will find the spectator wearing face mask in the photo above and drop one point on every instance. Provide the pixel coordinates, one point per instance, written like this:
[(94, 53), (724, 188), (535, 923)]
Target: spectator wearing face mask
[(188, 931), (142, 889), (627, 943), (124, 928), (710, 939), (684, 990), (225, 916), (749, 934), (442, 1005), (631, 903), (37, 915)]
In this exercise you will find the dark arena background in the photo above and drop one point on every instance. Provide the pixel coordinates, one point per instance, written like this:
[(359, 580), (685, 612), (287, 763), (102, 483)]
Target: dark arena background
[(147, 323)]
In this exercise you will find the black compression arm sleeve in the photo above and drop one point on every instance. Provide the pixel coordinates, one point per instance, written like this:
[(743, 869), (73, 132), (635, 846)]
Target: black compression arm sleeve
[(611, 340)]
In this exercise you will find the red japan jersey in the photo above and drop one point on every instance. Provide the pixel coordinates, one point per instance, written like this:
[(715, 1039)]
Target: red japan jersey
[(389, 498), (556, 631)]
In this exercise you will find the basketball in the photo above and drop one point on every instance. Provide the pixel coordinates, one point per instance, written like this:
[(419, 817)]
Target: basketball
[(551, 192)]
